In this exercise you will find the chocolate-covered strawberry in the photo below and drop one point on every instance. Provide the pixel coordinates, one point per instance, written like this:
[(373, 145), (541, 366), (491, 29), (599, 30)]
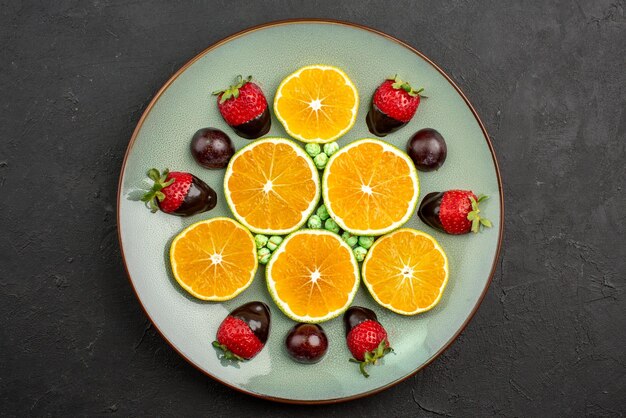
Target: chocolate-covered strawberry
[(178, 193), (454, 212), (366, 337), (244, 331), (393, 105), (244, 108)]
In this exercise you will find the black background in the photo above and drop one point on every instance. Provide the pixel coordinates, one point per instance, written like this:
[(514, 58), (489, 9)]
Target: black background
[(547, 78)]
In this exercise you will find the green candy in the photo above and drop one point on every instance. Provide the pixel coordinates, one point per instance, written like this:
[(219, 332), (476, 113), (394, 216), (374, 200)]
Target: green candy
[(313, 149), (314, 222), (260, 241), (366, 242), (360, 253), (320, 160), (331, 225), (331, 148), (322, 212), (274, 242), (350, 239), (264, 255)]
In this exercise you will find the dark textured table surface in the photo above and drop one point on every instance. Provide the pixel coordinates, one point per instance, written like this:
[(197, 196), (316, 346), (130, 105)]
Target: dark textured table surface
[(547, 78)]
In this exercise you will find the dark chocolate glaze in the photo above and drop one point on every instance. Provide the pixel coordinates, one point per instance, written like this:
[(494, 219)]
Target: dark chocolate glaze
[(306, 343), (429, 210), (380, 124), (212, 148), (256, 127), (355, 315), (257, 316), (200, 198), (427, 149)]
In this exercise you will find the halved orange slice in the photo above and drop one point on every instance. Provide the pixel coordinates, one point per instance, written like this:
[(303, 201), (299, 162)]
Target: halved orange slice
[(214, 259), (313, 276), (272, 186), (370, 187), (406, 271), (317, 103)]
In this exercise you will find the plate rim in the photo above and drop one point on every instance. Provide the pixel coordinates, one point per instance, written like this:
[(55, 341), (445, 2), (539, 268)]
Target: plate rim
[(298, 21)]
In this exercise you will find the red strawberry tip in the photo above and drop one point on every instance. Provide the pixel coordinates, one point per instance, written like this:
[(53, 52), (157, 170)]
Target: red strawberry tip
[(398, 84), (474, 217), (372, 357), (233, 90), (155, 194), (227, 354)]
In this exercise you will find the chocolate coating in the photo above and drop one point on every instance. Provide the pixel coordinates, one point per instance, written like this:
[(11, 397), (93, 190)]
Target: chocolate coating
[(355, 315), (200, 198), (428, 211), (380, 124), (256, 127), (427, 149), (212, 148), (257, 316), (306, 343)]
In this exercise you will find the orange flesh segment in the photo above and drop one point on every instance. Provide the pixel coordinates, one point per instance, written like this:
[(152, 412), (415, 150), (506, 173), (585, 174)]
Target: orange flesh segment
[(215, 259), (292, 186), (314, 275), (406, 271), (317, 87), (386, 174)]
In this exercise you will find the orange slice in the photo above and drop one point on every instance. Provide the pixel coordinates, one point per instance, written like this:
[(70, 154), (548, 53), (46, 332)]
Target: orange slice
[(214, 259), (317, 103), (406, 271), (272, 186), (313, 276), (370, 187)]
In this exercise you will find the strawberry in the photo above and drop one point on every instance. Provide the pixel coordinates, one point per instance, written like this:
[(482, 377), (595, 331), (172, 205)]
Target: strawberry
[(244, 108), (365, 336), (178, 193), (393, 105), (243, 332), (454, 212)]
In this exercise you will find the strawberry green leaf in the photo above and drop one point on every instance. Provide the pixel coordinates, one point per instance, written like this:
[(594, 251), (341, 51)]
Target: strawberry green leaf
[(227, 354), (486, 223), (154, 174), (475, 225), (482, 198), (471, 216), (474, 205)]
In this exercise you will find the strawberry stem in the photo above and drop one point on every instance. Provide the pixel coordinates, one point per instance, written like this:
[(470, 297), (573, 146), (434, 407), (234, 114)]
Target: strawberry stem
[(398, 84), (475, 218), (372, 357), (155, 195), (227, 354), (233, 90)]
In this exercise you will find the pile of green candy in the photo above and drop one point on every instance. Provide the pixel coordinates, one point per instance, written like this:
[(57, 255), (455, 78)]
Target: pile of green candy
[(322, 220), (321, 155), (265, 246)]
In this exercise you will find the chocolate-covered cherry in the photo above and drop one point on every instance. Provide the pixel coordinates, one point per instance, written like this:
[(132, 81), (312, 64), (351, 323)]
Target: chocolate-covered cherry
[(306, 343), (427, 149), (212, 148)]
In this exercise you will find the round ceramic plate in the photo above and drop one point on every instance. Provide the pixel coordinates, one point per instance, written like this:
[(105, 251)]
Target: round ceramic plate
[(270, 53)]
